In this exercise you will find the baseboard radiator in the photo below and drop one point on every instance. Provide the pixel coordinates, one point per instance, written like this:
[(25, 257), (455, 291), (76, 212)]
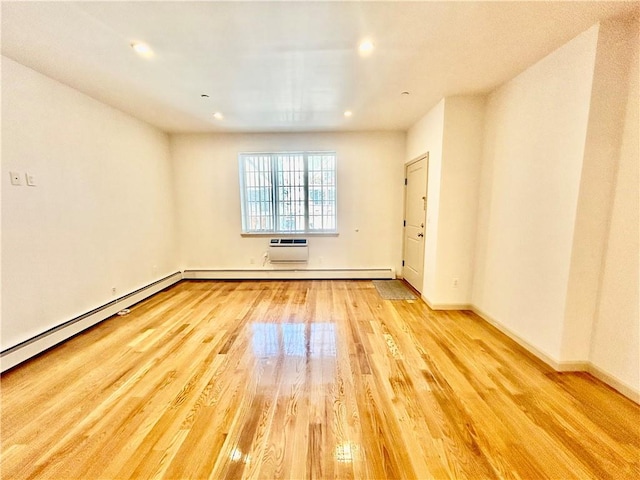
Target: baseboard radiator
[(23, 351), (288, 250), (292, 274)]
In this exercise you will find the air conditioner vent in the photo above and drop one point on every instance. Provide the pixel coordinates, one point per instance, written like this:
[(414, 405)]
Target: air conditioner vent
[(288, 241)]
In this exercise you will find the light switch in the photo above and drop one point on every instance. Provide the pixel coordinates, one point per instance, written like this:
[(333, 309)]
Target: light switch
[(15, 178), (31, 179)]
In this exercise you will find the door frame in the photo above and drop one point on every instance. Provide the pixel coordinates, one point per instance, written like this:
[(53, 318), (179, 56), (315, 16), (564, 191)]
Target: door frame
[(425, 157)]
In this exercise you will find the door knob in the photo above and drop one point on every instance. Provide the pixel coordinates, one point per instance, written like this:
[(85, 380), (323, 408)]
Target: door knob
[(421, 234)]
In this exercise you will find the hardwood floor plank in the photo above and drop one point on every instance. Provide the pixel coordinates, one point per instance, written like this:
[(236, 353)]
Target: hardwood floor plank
[(306, 379)]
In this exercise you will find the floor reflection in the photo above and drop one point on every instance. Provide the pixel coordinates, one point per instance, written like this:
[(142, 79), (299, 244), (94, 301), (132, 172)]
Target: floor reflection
[(294, 353), (322, 341), (345, 452), (265, 339), (294, 339), (316, 340)]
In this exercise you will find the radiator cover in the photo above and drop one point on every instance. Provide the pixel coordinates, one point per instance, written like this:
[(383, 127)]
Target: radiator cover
[(288, 250)]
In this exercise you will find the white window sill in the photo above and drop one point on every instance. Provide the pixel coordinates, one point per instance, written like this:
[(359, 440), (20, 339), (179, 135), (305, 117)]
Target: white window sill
[(287, 234)]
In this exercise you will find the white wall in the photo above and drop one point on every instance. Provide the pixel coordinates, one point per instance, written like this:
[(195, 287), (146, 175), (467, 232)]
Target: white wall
[(615, 344), (557, 249), (101, 215), (460, 182), (424, 136), (370, 179), (609, 94), (452, 133), (535, 134)]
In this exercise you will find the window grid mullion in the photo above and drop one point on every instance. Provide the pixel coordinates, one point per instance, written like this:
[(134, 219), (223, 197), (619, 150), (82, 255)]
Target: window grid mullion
[(264, 205), (245, 206), (306, 191), (275, 193), (322, 189), (254, 181)]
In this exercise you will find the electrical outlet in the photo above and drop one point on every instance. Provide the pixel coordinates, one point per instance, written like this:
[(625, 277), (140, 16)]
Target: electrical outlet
[(113, 291), (454, 282), (252, 260), (16, 178)]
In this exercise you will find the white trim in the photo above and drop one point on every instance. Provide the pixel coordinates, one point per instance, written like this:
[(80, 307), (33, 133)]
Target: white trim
[(290, 234), (615, 383), (446, 306), (549, 360), (26, 350), (565, 365), (572, 366), (291, 274)]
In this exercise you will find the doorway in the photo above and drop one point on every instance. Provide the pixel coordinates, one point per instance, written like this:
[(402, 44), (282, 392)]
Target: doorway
[(415, 208)]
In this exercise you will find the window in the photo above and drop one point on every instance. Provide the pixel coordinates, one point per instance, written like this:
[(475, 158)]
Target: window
[(288, 192)]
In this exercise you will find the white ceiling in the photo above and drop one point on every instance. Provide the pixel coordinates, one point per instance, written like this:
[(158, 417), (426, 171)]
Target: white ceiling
[(288, 66)]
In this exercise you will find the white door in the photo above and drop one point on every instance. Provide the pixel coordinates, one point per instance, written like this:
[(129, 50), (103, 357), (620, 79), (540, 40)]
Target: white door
[(415, 207)]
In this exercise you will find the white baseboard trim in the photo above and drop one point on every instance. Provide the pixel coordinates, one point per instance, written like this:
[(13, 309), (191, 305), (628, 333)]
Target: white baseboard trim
[(13, 356), (565, 366), (445, 306), (572, 366), (30, 348), (615, 383), (550, 361), (291, 274)]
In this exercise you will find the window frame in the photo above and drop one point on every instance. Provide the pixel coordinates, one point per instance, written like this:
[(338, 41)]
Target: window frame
[(274, 199)]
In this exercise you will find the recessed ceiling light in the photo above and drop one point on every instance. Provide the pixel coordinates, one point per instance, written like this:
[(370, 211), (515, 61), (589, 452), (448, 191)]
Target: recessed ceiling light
[(142, 49), (405, 93), (365, 47), (204, 95), (348, 113), (218, 116)]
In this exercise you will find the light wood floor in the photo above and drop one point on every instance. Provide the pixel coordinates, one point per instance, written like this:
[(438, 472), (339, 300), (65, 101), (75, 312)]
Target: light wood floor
[(309, 379)]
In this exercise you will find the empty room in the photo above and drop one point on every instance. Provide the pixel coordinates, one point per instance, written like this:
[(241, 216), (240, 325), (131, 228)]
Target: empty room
[(320, 239)]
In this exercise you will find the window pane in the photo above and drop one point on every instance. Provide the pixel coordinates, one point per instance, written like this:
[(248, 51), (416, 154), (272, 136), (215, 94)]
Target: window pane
[(322, 192), (291, 199), (303, 197)]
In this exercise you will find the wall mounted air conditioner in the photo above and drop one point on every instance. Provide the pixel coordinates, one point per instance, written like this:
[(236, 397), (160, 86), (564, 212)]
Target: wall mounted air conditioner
[(288, 250)]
